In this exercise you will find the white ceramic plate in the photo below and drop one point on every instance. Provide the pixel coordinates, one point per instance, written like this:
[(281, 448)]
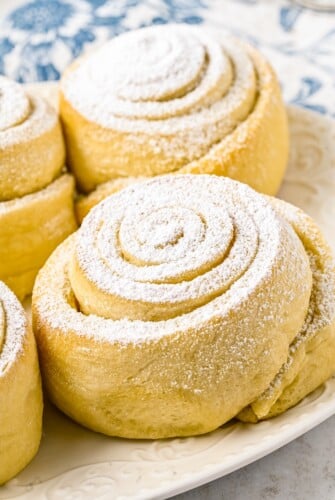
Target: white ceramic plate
[(74, 463)]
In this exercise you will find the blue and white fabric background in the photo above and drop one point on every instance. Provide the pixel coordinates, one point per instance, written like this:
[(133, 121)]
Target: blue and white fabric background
[(38, 38)]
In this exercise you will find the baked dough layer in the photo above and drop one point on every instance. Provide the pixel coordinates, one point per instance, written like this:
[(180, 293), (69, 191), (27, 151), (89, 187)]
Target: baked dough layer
[(85, 203), (178, 303), (32, 150), (36, 198), (311, 355), (31, 227), (20, 389), (174, 99)]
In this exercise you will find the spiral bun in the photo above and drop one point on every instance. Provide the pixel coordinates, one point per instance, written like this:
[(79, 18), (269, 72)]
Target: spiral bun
[(174, 98), (176, 245), (31, 144), (178, 303), (36, 196)]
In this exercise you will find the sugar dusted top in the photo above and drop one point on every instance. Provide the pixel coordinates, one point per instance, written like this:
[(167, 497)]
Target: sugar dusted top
[(176, 82), (154, 248), (22, 117), (13, 326)]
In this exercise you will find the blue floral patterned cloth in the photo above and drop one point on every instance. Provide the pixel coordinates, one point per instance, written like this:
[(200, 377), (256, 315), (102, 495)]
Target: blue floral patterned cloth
[(39, 38)]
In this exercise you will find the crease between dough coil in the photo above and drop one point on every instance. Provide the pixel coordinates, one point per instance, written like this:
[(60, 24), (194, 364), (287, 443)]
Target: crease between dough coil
[(36, 197), (32, 150), (31, 227), (165, 319), (311, 355)]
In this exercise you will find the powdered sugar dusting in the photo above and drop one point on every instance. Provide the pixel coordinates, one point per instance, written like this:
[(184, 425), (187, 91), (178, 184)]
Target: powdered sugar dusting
[(276, 249), (46, 193), (322, 302), (321, 311), (13, 324), (14, 104), (182, 86), (22, 117)]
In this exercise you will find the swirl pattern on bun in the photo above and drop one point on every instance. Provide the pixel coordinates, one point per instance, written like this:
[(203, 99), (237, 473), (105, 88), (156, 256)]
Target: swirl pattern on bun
[(176, 305), (36, 196), (174, 98)]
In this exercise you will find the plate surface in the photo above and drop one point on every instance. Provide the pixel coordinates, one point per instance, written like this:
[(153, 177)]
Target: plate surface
[(74, 463)]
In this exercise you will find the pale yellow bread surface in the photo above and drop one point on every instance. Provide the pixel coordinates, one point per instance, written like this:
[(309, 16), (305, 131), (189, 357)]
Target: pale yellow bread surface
[(311, 359), (30, 229), (32, 152), (21, 402), (177, 304), (84, 203), (177, 99)]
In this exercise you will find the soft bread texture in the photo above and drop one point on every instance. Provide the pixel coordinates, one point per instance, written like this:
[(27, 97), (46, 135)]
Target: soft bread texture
[(36, 199), (84, 203), (178, 304), (312, 353), (21, 402), (31, 227), (174, 99), (32, 152)]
